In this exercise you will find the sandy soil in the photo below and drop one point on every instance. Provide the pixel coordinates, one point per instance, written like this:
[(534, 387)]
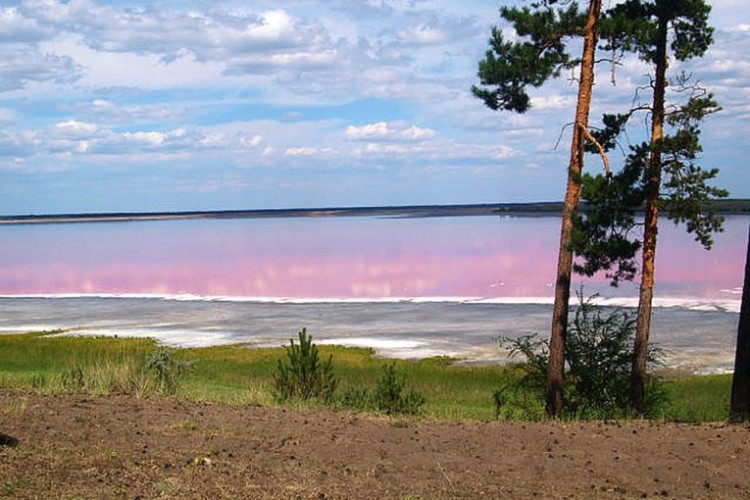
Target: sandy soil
[(124, 447)]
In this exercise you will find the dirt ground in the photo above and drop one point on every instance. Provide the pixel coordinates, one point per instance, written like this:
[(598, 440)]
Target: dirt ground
[(123, 447)]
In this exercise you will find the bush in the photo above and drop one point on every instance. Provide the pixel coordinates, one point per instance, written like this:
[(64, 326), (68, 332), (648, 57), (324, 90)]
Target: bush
[(599, 355), (305, 376), (388, 396), (167, 370)]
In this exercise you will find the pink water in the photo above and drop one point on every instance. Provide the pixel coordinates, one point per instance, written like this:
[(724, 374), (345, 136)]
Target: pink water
[(354, 257)]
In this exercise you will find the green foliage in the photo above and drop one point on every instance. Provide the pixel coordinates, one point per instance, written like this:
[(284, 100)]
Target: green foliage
[(696, 399), (234, 374), (633, 26), (665, 172), (305, 376), (73, 379), (509, 67), (599, 353), (606, 236), (686, 191), (167, 369), (498, 398), (603, 234), (389, 396)]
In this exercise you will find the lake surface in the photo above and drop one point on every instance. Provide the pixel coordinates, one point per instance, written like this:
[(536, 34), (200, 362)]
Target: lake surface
[(409, 287)]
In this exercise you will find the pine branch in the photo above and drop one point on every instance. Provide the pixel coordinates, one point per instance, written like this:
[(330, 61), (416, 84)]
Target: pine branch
[(602, 153)]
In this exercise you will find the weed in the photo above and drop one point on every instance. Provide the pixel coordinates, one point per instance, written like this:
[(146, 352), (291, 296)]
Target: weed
[(498, 397), (9, 488), (167, 369), (38, 381), (72, 379)]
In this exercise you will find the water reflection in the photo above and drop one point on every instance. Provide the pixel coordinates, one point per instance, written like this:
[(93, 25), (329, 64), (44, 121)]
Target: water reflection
[(337, 257)]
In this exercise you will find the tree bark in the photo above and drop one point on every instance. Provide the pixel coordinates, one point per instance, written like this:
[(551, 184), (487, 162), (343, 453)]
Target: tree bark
[(651, 226), (740, 406), (556, 367)]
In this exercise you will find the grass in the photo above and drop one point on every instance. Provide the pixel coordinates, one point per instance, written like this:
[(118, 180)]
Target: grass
[(235, 374), (698, 399)]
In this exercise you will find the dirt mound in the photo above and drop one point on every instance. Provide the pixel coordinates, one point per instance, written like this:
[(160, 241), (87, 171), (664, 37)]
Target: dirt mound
[(120, 446)]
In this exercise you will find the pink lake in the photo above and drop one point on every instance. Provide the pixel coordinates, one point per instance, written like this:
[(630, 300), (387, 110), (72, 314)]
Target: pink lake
[(339, 257)]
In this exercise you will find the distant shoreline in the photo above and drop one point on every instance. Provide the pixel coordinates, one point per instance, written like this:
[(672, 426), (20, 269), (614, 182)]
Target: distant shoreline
[(397, 211), (727, 207)]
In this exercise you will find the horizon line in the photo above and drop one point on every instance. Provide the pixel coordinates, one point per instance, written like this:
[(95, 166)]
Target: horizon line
[(727, 206)]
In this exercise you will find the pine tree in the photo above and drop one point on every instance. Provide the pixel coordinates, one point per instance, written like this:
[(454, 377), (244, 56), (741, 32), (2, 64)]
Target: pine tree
[(740, 406), (508, 69), (660, 173)]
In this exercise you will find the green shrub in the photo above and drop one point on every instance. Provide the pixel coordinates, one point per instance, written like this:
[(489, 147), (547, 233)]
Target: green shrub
[(358, 399), (599, 355), (305, 376), (167, 370), (388, 396)]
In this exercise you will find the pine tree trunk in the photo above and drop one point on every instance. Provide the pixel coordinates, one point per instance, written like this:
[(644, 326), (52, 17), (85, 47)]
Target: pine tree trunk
[(651, 227), (740, 406), (556, 367)]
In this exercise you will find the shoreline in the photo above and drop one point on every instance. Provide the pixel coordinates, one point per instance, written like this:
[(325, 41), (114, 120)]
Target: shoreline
[(535, 209), (698, 333), (713, 304), (410, 211)]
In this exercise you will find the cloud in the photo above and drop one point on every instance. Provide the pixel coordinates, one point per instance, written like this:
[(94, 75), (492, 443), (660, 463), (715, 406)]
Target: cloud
[(393, 131), (382, 149), (24, 64), (15, 27), (75, 127), (16, 145), (374, 93), (423, 35), (307, 151), (274, 36)]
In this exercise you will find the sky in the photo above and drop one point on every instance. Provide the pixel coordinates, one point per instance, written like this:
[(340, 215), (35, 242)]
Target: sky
[(136, 105)]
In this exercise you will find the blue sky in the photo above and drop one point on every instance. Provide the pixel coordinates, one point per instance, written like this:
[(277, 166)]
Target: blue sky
[(209, 104)]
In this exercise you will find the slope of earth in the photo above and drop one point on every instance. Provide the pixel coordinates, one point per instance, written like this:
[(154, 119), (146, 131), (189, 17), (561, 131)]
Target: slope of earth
[(123, 447)]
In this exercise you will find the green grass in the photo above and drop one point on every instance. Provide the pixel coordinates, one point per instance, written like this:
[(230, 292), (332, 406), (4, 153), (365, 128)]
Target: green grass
[(698, 399), (241, 375)]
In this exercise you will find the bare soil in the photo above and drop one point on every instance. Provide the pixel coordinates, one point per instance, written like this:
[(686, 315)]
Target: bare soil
[(124, 447)]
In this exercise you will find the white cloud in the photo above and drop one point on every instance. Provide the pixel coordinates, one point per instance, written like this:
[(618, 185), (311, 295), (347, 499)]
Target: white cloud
[(273, 25), (425, 35), (393, 131), (23, 64), (17, 145), (367, 86), (307, 151), (15, 27), (380, 149), (76, 127), (251, 141)]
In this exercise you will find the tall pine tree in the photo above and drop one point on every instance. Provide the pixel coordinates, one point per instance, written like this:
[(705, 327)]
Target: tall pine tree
[(660, 173), (545, 31)]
